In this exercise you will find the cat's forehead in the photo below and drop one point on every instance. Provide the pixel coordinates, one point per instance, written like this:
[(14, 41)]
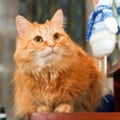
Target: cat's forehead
[(36, 24), (45, 27)]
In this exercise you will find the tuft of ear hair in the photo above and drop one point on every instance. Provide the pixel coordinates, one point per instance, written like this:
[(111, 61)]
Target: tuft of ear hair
[(59, 18), (23, 25)]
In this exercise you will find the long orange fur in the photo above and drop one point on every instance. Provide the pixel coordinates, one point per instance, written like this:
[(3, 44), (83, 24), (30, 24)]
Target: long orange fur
[(54, 75)]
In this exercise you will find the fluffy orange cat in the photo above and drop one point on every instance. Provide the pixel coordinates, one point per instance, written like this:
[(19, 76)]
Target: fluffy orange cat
[(53, 74)]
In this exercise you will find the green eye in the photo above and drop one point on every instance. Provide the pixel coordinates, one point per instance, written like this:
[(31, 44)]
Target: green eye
[(56, 36), (38, 39)]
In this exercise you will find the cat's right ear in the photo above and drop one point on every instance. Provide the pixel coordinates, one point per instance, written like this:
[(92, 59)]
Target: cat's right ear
[(59, 18), (23, 25)]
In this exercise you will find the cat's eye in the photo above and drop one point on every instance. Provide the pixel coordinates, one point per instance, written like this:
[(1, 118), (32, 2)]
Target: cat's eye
[(56, 36), (38, 39)]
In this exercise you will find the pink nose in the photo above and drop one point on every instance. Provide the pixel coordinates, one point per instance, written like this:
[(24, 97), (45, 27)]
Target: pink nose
[(52, 45)]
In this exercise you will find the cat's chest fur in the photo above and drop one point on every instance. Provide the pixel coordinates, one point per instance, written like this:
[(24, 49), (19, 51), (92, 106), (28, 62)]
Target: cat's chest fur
[(47, 87), (49, 75)]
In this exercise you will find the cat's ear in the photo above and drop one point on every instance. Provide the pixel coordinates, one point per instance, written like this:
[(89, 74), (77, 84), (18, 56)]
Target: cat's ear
[(23, 25), (58, 18)]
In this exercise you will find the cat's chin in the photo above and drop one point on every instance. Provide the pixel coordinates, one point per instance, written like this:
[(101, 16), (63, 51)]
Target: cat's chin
[(51, 54), (49, 59)]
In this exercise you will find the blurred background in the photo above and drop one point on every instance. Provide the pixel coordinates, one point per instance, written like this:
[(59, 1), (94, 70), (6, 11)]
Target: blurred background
[(76, 12)]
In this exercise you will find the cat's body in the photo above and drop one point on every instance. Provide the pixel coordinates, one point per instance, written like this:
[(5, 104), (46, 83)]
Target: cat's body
[(53, 74)]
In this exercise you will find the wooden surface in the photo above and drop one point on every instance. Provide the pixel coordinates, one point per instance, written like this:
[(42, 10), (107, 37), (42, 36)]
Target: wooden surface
[(114, 69), (116, 76), (115, 73), (76, 116)]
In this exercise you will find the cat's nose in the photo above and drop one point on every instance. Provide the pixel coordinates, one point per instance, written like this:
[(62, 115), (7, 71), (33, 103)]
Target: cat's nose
[(51, 45)]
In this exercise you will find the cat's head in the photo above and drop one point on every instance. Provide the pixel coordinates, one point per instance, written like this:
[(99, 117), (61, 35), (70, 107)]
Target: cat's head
[(42, 44)]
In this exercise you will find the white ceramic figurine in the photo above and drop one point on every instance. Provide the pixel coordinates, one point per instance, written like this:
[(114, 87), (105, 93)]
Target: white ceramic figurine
[(102, 29)]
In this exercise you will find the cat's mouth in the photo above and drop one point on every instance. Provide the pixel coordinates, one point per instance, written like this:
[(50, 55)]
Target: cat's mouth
[(50, 53)]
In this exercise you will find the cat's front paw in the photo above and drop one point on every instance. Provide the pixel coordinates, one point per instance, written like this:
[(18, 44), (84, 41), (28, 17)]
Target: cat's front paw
[(43, 109), (64, 108)]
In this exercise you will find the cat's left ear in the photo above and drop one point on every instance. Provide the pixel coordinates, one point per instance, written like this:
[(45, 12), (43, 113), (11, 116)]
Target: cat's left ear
[(58, 18), (23, 25)]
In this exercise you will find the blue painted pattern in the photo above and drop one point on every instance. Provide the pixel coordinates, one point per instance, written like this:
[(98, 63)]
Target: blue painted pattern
[(118, 10), (98, 15)]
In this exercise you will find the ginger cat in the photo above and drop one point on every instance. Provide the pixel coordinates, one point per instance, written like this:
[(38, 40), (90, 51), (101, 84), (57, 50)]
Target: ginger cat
[(53, 74)]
